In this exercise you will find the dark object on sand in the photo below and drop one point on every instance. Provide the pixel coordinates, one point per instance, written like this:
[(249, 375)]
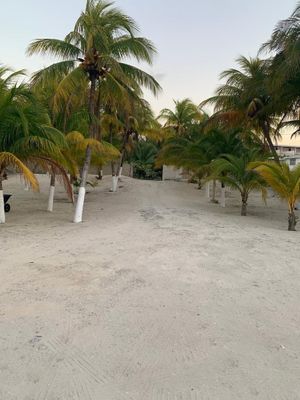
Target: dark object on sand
[(6, 205)]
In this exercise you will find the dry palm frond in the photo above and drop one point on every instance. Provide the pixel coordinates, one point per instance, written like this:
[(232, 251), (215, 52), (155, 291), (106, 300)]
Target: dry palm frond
[(8, 159), (52, 167)]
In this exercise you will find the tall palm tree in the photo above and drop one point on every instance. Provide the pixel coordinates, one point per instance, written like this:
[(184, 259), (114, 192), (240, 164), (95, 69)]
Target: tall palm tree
[(184, 115), (136, 120), (102, 38), (245, 99), (284, 42), (284, 46), (285, 182)]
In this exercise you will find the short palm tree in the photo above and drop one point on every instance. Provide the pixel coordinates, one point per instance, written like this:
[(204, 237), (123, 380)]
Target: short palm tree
[(143, 158), (234, 172), (102, 152), (102, 39), (285, 182)]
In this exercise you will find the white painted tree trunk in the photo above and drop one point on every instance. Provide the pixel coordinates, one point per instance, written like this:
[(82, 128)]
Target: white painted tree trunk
[(114, 183), (115, 180), (79, 205), (214, 187), (2, 212), (223, 197), (51, 193), (120, 172), (93, 113), (51, 198), (26, 187), (208, 190)]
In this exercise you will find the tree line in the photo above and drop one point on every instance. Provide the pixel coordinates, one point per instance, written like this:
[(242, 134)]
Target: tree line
[(87, 108)]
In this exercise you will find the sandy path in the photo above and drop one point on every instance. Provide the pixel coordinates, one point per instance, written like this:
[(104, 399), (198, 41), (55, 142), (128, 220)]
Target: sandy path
[(158, 296)]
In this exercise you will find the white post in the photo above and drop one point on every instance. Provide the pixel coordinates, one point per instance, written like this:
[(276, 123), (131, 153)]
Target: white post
[(2, 211), (223, 196), (51, 198), (79, 205), (208, 190), (26, 186)]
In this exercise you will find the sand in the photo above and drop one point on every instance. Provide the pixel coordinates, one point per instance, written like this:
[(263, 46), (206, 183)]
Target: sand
[(158, 295)]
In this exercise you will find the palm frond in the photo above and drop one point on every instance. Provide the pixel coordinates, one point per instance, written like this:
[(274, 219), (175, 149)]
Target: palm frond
[(54, 47), (10, 160)]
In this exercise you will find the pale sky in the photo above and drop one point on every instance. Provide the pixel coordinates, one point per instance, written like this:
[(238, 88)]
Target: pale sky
[(196, 39)]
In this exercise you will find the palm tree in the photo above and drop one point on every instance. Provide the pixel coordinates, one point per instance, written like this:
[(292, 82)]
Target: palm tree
[(142, 160), (181, 137), (102, 152), (285, 182), (216, 142), (284, 42), (136, 121), (102, 38), (234, 171), (25, 128), (10, 160), (285, 72), (197, 151), (245, 100), (185, 114)]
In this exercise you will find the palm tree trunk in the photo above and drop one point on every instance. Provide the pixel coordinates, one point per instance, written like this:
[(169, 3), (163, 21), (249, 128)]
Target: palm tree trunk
[(66, 114), (118, 175), (266, 131), (88, 153), (113, 168), (199, 184), (100, 174), (2, 211), (114, 186), (120, 167), (51, 193), (122, 157), (114, 176), (98, 127), (223, 195), (208, 190), (292, 218), (244, 204), (97, 113), (214, 200)]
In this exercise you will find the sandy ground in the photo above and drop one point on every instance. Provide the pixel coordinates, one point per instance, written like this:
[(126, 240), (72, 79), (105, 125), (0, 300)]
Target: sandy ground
[(158, 295)]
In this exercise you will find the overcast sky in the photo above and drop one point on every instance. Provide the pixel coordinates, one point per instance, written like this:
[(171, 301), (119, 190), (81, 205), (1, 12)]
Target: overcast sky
[(195, 39)]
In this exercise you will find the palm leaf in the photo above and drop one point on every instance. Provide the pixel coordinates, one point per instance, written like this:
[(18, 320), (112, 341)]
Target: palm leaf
[(8, 159)]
